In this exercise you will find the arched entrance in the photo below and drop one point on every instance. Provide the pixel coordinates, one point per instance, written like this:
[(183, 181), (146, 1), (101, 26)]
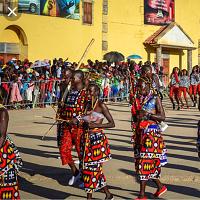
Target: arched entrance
[(13, 44)]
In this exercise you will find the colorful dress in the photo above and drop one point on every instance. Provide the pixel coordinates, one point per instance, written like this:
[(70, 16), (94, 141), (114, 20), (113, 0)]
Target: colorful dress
[(150, 151), (9, 167), (69, 135), (15, 94), (94, 152)]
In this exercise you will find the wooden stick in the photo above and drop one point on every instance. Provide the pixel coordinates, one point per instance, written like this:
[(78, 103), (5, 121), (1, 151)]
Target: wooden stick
[(85, 52), (78, 66), (69, 86), (48, 130)]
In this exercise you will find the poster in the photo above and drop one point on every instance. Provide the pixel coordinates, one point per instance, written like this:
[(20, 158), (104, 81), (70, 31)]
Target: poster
[(68, 9), (49, 8), (29, 6), (159, 12)]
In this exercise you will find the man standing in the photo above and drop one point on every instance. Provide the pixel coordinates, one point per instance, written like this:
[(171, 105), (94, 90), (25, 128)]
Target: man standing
[(70, 130)]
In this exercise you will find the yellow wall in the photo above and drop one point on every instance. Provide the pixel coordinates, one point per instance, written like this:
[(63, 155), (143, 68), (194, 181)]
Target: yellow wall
[(9, 36), (187, 15), (127, 30), (50, 37)]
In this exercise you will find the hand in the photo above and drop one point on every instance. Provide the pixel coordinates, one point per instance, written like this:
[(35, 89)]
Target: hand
[(89, 112), (74, 121), (92, 125), (142, 114)]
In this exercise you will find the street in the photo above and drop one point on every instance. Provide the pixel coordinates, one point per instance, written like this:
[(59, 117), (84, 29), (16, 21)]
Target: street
[(43, 176)]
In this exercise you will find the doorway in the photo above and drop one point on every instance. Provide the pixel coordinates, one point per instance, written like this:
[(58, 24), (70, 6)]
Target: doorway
[(165, 64)]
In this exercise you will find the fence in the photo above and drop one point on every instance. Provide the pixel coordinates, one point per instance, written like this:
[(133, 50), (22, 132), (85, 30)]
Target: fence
[(31, 94)]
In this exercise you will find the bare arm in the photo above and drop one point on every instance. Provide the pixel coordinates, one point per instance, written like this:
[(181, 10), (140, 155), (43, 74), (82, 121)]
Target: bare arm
[(4, 118), (160, 113), (156, 79)]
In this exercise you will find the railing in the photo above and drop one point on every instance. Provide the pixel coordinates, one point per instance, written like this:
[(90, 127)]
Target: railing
[(31, 94)]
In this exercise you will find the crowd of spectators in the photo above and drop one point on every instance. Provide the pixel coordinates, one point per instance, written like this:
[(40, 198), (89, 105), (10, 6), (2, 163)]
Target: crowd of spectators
[(28, 85)]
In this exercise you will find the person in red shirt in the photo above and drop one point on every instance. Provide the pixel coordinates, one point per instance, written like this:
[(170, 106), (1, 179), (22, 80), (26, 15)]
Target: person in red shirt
[(174, 87), (70, 129)]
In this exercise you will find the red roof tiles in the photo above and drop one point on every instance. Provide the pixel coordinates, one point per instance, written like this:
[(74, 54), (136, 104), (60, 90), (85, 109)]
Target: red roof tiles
[(151, 39)]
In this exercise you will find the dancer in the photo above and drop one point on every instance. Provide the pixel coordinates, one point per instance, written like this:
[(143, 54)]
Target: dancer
[(184, 86), (95, 148), (147, 72), (155, 83), (70, 130), (10, 161), (174, 87), (148, 142), (194, 81)]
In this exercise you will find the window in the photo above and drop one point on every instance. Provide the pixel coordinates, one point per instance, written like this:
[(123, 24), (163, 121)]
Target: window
[(87, 12), (1, 8)]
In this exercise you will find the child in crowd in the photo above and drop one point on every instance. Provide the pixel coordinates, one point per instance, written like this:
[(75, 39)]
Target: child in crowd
[(15, 96), (29, 94)]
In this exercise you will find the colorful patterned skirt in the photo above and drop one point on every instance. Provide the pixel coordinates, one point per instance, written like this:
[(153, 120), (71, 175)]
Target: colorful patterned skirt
[(95, 151), (150, 152), (9, 166)]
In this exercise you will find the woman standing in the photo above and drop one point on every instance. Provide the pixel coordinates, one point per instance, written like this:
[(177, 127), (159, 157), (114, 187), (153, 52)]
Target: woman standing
[(184, 86), (194, 81), (174, 87), (149, 147), (95, 148), (9, 157)]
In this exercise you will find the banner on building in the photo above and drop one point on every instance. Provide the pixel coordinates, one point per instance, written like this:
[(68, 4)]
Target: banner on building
[(56, 8), (159, 12)]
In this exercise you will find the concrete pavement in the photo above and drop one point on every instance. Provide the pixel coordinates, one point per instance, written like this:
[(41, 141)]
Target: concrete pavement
[(43, 176)]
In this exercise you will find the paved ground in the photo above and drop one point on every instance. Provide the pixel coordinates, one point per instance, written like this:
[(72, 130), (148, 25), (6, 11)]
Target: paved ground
[(43, 176)]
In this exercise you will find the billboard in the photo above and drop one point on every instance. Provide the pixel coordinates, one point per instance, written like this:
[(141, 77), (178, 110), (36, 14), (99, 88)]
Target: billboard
[(158, 12), (56, 8)]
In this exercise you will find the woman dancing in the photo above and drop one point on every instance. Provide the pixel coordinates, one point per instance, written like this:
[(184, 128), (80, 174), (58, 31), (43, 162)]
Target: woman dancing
[(149, 146), (95, 148)]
